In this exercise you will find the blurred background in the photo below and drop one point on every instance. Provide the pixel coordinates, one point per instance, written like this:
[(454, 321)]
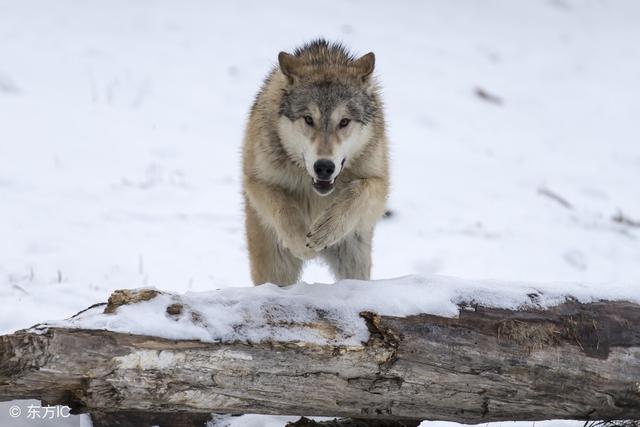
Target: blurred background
[(514, 128)]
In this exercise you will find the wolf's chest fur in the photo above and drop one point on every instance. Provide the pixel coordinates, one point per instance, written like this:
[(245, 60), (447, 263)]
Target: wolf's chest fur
[(312, 205)]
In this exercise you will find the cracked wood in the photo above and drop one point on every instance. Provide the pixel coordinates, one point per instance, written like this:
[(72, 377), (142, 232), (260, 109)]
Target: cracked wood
[(573, 361)]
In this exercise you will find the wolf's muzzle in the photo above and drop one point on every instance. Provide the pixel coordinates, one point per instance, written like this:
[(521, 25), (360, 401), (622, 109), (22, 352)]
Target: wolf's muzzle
[(324, 180), (324, 169)]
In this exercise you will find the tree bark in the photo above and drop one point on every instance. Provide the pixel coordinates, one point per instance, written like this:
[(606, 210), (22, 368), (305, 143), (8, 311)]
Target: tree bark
[(573, 361)]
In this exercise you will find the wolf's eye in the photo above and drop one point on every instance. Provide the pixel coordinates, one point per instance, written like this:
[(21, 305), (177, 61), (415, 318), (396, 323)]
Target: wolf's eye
[(344, 123), (308, 120)]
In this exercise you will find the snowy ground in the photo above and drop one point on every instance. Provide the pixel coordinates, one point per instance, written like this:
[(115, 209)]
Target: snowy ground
[(121, 122)]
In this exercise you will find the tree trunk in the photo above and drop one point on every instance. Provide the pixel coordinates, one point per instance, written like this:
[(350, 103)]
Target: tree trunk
[(573, 361)]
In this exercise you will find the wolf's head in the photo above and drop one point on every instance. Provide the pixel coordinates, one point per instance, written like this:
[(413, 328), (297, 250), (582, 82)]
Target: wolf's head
[(327, 108)]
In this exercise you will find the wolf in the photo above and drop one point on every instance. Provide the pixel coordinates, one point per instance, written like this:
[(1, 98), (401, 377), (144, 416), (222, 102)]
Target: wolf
[(315, 165)]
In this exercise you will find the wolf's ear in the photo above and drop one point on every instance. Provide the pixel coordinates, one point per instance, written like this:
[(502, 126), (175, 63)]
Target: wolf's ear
[(364, 65), (289, 65)]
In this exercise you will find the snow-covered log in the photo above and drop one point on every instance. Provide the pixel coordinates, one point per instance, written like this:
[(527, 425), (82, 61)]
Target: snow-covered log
[(409, 348)]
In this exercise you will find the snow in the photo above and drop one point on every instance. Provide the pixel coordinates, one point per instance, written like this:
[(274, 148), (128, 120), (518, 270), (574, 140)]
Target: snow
[(121, 122), (257, 314), (255, 420)]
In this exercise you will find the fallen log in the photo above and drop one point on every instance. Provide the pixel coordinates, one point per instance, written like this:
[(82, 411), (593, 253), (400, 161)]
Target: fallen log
[(352, 422), (479, 353)]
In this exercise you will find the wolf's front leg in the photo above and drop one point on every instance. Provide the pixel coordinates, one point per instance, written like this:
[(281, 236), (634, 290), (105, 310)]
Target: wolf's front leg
[(279, 211), (270, 262), (359, 205)]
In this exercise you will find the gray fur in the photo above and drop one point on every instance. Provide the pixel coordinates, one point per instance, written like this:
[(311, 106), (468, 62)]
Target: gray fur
[(326, 95)]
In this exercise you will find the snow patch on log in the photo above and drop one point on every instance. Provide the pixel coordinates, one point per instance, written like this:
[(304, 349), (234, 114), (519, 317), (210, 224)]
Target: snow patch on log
[(311, 314)]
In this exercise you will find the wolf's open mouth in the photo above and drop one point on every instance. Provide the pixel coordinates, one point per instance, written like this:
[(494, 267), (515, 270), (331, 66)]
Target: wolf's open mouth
[(323, 187)]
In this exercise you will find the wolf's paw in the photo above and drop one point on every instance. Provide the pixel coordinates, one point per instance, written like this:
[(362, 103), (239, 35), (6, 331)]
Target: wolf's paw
[(322, 234)]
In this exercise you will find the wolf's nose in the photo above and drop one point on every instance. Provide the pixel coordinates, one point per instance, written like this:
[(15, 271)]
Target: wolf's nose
[(324, 169)]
